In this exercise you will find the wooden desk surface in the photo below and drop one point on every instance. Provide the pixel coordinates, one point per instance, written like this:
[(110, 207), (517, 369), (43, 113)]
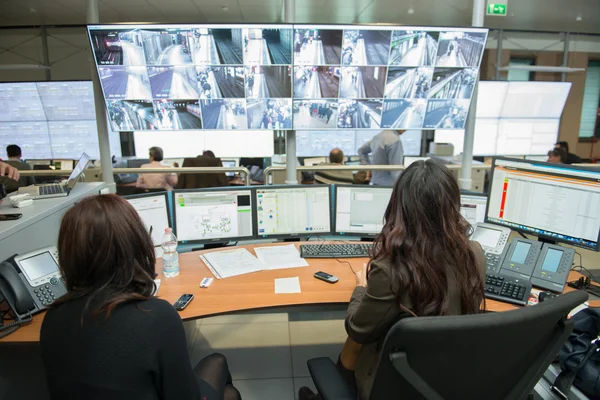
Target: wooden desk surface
[(252, 291)]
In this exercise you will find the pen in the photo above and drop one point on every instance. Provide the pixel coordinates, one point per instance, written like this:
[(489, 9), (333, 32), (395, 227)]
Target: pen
[(150, 233)]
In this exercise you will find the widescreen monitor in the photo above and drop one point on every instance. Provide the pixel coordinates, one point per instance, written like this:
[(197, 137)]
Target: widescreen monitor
[(54, 119), (153, 209), (213, 215), (312, 77), (535, 99), (553, 201), (359, 209), (284, 211)]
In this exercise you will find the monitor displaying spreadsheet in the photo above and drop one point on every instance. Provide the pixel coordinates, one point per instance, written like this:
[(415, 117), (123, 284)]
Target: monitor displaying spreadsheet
[(555, 201), (293, 210)]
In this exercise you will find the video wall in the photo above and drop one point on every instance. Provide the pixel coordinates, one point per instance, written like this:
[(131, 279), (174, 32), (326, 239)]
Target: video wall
[(49, 120), (514, 118), (281, 77)]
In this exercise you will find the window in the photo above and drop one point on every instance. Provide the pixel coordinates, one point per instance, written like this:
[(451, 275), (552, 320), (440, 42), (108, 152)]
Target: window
[(519, 75), (591, 100)]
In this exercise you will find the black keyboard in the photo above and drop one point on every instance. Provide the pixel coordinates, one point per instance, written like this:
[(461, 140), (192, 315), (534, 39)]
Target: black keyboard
[(345, 250), (52, 189), (507, 289)]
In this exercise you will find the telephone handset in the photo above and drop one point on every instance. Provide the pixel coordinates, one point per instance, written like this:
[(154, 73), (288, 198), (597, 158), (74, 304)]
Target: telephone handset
[(493, 240), (31, 282)]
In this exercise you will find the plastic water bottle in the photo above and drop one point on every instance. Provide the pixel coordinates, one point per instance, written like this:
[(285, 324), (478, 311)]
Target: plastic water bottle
[(170, 257)]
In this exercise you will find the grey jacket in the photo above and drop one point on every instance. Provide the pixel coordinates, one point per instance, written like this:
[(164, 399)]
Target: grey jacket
[(374, 310)]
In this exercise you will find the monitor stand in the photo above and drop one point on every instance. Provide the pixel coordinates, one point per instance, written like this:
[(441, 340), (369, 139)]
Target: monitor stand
[(291, 240), (544, 240), (367, 239), (209, 246)]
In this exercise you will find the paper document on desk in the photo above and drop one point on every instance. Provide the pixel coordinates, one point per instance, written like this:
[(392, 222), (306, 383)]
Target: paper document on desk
[(287, 285), (225, 264), (280, 257)]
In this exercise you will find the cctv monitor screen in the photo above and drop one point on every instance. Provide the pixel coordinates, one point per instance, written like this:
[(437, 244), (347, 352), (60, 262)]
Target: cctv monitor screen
[(556, 202), (179, 77), (359, 210), (293, 210), (281, 77), (153, 209), (49, 119), (213, 215)]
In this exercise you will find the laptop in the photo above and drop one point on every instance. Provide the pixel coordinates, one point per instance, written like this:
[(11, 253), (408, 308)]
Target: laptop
[(62, 189)]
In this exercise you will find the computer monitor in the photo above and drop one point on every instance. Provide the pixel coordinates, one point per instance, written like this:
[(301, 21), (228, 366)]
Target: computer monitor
[(63, 164), (284, 211), (137, 162), (359, 209), (472, 207), (153, 209), (556, 202), (309, 162), (213, 215), (230, 163)]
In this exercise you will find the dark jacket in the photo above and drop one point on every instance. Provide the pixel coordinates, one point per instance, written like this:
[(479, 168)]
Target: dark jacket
[(374, 310), (21, 166)]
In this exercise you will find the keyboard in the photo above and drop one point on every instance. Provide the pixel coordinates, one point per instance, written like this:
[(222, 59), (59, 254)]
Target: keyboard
[(345, 250), (507, 289), (52, 189)]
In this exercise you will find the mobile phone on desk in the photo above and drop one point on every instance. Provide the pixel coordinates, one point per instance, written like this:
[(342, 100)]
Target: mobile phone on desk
[(10, 217), (183, 301), (324, 276)]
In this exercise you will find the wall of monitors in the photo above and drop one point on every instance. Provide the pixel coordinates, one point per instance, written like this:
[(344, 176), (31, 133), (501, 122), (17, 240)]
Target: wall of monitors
[(281, 77)]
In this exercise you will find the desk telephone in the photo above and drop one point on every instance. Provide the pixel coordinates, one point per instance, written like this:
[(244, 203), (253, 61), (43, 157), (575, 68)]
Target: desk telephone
[(29, 283), (545, 265)]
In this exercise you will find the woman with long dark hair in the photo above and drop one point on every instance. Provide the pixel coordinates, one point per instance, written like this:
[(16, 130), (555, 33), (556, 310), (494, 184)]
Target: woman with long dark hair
[(109, 338), (423, 265)]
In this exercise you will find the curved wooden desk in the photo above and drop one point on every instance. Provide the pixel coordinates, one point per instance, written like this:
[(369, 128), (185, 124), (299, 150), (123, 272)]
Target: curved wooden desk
[(252, 291)]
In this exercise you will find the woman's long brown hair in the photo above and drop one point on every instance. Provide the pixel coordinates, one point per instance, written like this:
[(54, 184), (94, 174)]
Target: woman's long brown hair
[(426, 239), (105, 254)]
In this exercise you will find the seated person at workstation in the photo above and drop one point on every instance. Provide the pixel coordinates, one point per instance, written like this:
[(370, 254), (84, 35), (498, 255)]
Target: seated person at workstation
[(108, 337), (336, 157), (156, 181), (385, 148), (558, 156), (9, 176), (571, 158), (14, 154), (423, 265)]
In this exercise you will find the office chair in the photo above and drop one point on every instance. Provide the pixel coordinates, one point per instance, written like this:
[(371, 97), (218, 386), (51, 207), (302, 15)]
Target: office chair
[(194, 181), (492, 356)]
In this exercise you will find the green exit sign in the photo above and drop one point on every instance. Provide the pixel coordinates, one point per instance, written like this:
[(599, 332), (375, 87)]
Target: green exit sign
[(496, 9)]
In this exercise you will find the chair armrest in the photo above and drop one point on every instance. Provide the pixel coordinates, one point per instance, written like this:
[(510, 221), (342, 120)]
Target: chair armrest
[(328, 380)]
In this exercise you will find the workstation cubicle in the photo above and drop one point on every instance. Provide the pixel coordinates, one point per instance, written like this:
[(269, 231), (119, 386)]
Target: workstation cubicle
[(330, 228)]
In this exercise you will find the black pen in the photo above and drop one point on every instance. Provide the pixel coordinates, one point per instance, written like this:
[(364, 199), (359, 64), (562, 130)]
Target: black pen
[(150, 233)]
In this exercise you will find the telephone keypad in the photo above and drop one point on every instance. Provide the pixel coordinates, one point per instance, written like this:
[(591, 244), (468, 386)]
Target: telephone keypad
[(45, 294)]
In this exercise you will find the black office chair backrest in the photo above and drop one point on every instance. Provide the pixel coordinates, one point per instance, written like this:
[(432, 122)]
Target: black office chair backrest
[(492, 356)]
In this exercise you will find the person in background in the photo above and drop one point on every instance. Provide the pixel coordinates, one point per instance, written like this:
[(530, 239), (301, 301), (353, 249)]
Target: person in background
[(558, 156), (336, 157), (571, 158), (109, 337), (156, 181), (14, 155), (385, 148), (423, 265), (208, 153), (9, 177)]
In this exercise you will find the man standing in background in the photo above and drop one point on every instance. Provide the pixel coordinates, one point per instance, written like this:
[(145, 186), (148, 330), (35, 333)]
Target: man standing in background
[(385, 148), (14, 155)]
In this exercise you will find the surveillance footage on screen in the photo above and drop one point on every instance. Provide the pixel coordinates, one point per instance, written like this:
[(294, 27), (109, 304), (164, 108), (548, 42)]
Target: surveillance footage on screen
[(170, 77)]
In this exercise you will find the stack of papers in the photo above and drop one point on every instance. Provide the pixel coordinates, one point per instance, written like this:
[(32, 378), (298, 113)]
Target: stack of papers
[(228, 263)]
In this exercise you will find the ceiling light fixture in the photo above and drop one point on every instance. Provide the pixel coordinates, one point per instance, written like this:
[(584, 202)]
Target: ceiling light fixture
[(578, 18), (411, 11), (225, 8)]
